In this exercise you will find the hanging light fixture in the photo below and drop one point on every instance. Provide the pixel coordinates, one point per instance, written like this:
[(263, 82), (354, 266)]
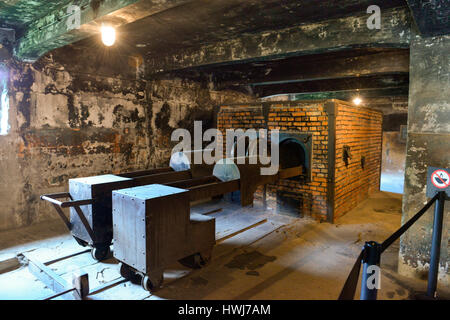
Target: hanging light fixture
[(108, 35)]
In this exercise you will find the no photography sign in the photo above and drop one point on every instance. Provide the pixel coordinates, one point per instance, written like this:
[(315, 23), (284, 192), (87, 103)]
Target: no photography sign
[(438, 179)]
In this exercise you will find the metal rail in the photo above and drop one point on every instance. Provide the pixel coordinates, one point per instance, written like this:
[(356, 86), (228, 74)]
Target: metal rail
[(42, 271), (199, 188), (162, 178), (145, 172)]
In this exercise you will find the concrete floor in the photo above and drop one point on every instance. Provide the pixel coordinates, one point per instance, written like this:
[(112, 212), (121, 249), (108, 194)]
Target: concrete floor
[(285, 258)]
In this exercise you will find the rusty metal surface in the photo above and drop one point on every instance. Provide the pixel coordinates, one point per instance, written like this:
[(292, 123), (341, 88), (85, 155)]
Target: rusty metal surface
[(212, 189), (165, 177), (135, 174), (194, 182)]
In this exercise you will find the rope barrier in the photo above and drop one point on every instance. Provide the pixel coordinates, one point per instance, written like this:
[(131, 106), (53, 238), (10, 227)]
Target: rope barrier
[(386, 243), (349, 289)]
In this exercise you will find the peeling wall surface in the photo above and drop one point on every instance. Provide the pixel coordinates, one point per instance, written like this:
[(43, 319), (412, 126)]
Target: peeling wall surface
[(428, 145), (67, 123), (177, 104)]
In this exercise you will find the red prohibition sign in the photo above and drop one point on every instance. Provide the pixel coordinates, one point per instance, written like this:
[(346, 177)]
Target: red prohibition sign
[(440, 179)]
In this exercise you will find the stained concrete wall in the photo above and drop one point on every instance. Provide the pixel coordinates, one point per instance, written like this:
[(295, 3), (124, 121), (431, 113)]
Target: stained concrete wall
[(75, 114), (428, 145), (63, 126), (177, 104)]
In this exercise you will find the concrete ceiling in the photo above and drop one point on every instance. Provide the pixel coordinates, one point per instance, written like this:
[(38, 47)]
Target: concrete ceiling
[(205, 22), (162, 29), (376, 71), (150, 26)]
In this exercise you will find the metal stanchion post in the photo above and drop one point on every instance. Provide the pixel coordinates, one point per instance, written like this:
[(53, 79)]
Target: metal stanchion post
[(436, 245), (372, 257)]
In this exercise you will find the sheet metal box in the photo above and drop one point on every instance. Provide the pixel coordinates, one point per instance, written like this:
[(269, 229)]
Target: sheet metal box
[(150, 225), (153, 227), (98, 214)]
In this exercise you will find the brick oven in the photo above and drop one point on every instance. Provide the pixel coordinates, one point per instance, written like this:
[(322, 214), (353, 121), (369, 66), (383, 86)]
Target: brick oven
[(338, 144)]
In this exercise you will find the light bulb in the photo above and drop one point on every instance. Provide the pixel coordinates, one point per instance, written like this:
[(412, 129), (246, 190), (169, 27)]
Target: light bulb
[(108, 35), (357, 101)]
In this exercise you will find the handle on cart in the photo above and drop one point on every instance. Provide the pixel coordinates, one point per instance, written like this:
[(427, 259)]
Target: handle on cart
[(65, 204), (52, 198)]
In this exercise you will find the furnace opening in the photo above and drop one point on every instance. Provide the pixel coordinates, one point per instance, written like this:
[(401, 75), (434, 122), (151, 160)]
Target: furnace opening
[(293, 154)]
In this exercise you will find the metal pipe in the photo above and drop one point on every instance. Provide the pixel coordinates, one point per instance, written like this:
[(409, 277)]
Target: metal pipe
[(371, 257), (436, 245)]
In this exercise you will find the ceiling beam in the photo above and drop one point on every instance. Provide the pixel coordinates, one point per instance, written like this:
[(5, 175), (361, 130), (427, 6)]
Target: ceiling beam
[(56, 30), (349, 95), (328, 85), (378, 63), (334, 34), (310, 68)]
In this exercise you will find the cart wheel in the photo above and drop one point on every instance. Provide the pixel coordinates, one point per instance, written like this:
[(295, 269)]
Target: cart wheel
[(126, 272), (130, 274), (100, 253), (152, 284), (81, 242)]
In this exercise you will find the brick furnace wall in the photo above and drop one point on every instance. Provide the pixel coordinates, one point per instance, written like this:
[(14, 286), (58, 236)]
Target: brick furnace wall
[(361, 130), (319, 199), (289, 116), (311, 118)]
